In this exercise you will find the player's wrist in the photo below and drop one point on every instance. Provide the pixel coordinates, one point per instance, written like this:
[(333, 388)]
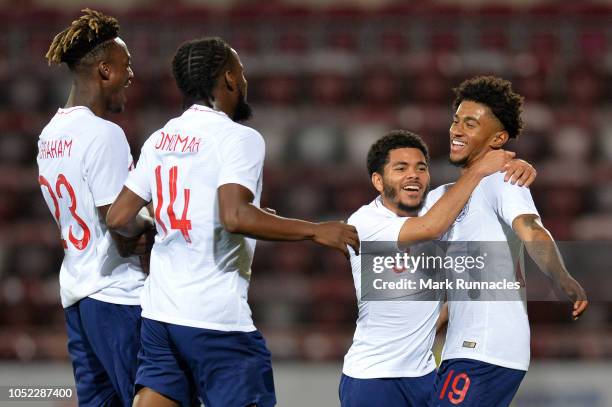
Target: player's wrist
[(476, 172), (564, 280), (311, 230)]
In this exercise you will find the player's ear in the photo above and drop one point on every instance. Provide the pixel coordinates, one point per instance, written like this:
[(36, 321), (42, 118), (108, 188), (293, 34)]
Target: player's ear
[(377, 181), (104, 70), (499, 139), (230, 81)]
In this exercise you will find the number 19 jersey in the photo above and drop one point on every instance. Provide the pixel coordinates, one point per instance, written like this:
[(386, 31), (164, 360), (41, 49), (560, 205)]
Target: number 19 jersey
[(83, 161), (199, 274), (495, 332)]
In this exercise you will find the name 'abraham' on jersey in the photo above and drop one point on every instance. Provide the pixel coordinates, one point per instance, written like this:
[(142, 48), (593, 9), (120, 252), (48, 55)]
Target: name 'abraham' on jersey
[(83, 161)]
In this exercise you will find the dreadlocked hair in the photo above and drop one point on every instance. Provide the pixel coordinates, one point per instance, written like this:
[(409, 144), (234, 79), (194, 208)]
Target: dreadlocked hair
[(83, 40), (196, 66)]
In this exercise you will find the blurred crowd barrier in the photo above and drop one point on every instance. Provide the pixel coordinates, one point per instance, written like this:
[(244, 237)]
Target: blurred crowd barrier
[(325, 83), (569, 384)]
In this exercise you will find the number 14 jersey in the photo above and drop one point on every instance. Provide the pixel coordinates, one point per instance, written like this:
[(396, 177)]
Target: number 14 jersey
[(83, 161), (200, 273)]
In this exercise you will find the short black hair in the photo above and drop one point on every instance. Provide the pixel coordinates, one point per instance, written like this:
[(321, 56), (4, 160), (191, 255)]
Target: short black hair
[(497, 94), (378, 156), (84, 40), (196, 66)]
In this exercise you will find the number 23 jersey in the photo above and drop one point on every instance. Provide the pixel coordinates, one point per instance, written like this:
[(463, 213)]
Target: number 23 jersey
[(83, 161), (199, 273)]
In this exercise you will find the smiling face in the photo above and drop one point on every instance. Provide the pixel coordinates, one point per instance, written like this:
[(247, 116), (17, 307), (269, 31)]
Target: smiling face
[(474, 132), (119, 78), (404, 181)]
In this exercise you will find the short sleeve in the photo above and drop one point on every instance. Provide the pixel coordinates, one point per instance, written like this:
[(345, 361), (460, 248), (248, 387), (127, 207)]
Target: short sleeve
[(242, 157), (374, 226), (138, 181), (509, 201), (107, 161), (433, 197)]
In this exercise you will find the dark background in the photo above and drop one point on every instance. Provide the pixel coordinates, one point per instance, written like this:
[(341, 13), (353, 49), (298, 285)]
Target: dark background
[(325, 81)]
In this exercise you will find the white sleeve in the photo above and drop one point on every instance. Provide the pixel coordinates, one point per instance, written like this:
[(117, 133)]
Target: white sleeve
[(242, 157), (433, 197), (106, 164), (138, 180), (374, 227), (508, 201)]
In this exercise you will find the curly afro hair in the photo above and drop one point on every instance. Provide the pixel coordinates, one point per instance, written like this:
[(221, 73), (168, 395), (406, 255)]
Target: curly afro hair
[(378, 156), (497, 94)]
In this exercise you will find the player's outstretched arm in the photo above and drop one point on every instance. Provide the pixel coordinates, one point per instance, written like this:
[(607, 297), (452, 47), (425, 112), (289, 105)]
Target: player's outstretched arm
[(239, 215), (441, 216), (544, 251), (124, 216)]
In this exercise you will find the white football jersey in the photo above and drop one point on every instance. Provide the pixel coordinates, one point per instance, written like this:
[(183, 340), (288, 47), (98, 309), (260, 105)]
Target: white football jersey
[(392, 338), (200, 272), (495, 332), (83, 161)]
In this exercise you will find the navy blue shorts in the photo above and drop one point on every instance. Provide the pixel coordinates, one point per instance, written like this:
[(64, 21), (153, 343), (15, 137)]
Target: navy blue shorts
[(472, 383), (103, 343), (226, 369), (387, 392)]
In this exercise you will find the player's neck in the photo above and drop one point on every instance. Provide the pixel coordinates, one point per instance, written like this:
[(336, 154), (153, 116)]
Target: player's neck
[(471, 162), (84, 96), (223, 101), (203, 102), (217, 105)]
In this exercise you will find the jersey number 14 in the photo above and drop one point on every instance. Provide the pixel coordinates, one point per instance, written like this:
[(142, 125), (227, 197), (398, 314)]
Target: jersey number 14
[(183, 224)]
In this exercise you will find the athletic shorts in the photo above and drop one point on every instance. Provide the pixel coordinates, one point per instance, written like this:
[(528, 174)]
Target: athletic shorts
[(472, 383), (386, 392), (225, 369), (103, 343)]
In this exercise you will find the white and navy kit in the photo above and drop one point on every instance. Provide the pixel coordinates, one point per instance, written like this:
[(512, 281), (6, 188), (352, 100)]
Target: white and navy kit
[(485, 333), (83, 161), (393, 339), (199, 274)]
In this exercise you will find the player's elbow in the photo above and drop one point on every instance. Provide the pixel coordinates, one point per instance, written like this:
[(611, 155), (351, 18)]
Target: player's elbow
[(433, 231), (433, 228), (231, 226), (114, 220), (529, 228), (539, 236), (421, 229), (231, 220)]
